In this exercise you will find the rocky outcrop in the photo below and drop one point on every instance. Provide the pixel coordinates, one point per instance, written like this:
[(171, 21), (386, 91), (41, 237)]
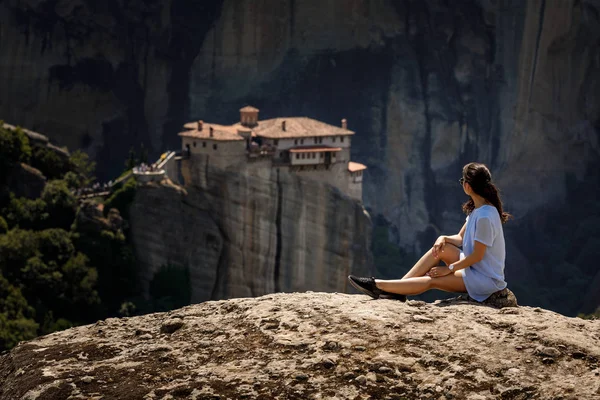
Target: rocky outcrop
[(26, 181), (313, 345), (250, 232), (90, 218), (427, 86), (170, 226)]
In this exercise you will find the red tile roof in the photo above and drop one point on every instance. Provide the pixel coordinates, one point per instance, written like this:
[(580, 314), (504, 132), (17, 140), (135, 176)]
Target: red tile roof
[(296, 127), (354, 166), (221, 133)]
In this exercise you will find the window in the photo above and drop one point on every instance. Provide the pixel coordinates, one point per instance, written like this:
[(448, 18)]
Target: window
[(342, 139), (320, 140), (333, 155), (334, 139), (322, 154), (203, 144), (276, 142), (301, 141), (194, 144), (315, 140), (314, 155), (295, 141), (214, 146), (281, 154), (297, 156)]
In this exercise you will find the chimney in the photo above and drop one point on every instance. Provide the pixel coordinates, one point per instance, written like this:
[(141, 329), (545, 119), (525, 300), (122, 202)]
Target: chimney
[(200, 122), (344, 124), (283, 125), (211, 131)]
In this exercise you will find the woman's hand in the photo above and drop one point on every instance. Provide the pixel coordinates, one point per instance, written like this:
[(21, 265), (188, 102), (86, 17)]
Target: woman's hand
[(438, 272), (438, 246)]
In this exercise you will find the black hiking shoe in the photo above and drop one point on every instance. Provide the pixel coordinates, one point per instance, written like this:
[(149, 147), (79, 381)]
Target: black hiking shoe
[(365, 285), (392, 296)]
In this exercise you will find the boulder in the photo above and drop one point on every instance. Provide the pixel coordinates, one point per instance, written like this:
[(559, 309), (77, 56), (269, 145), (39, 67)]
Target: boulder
[(337, 345)]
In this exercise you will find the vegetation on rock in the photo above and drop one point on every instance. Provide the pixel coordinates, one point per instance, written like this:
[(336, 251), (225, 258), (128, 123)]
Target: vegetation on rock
[(62, 262)]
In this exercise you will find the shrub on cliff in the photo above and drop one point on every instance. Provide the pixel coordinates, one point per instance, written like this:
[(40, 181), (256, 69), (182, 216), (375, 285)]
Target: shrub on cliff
[(61, 204), (25, 213), (52, 276), (3, 226), (49, 162), (14, 147), (112, 257), (122, 198), (82, 167), (55, 209), (16, 316)]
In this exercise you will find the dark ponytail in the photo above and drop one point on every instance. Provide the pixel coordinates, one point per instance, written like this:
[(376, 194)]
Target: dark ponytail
[(478, 176)]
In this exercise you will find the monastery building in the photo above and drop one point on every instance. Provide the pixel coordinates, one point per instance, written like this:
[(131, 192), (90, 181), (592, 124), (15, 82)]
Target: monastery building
[(308, 147)]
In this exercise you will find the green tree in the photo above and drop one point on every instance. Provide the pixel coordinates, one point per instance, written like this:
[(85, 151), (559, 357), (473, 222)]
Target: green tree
[(83, 167), (16, 316), (14, 147), (25, 213), (54, 277), (72, 179), (16, 247), (3, 226), (61, 204), (51, 163), (14, 330), (122, 198), (112, 257)]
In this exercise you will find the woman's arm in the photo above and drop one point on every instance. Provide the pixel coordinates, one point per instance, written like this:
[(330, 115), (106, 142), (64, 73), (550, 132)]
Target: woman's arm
[(476, 256), (456, 240)]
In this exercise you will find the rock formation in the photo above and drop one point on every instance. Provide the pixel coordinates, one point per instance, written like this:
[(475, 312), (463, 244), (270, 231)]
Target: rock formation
[(313, 346), (250, 233), (427, 86)]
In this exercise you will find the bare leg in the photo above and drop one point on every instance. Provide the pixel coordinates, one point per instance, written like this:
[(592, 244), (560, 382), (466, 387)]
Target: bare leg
[(449, 255), (417, 285)]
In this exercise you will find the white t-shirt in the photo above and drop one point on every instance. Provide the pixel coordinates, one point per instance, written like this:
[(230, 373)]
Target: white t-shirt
[(486, 276)]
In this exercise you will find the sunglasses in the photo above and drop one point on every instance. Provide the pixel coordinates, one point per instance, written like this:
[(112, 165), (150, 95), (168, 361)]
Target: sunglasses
[(461, 181)]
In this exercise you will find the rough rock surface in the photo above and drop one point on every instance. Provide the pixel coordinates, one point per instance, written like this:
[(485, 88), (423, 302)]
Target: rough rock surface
[(314, 346), (250, 233)]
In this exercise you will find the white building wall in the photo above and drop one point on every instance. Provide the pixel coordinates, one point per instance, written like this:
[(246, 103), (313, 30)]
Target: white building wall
[(331, 141), (207, 146), (224, 155), (355, 190), (307, 160), (343, 155)]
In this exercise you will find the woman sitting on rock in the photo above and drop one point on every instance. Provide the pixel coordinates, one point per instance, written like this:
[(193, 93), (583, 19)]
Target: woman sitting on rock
[(478, 269)]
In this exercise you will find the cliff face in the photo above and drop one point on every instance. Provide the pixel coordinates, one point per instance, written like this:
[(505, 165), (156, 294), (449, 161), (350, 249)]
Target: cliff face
[(250, 233), (427, 86), (314, 345)]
